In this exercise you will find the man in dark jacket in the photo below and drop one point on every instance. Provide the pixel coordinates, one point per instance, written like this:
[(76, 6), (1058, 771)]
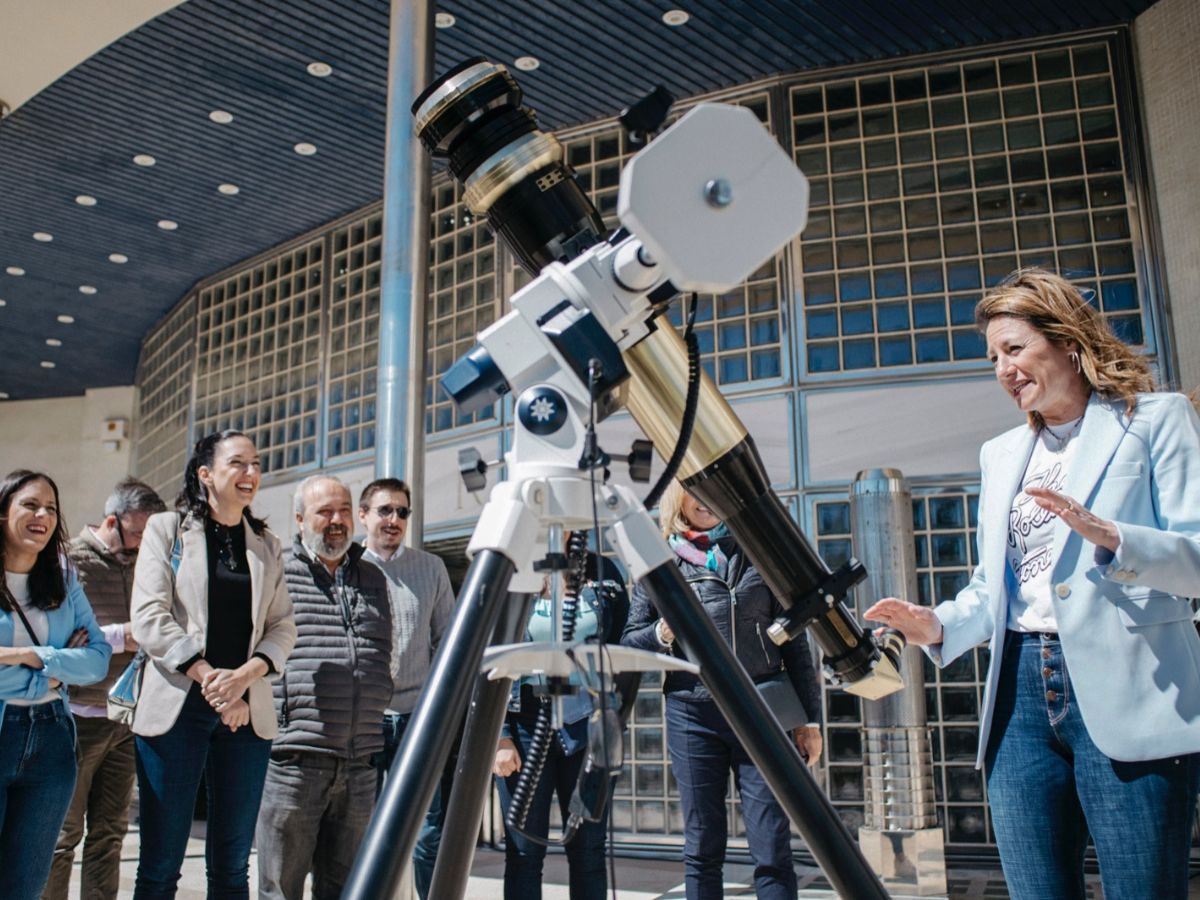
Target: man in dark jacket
[(320, 785), (103, 555)]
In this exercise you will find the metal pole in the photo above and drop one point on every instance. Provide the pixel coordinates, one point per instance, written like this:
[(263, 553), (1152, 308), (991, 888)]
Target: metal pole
[(417, 768), (900, 835), (473, 774), (400, 406), (769, 747)]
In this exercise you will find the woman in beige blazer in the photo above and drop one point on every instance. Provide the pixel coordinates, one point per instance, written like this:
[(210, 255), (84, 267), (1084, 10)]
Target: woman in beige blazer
[(211, 610)]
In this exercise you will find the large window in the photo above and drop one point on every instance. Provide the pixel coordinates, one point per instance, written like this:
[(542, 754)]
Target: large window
[(165, 377), (930, 184), (944, 524), (259, 355), (354, 336)]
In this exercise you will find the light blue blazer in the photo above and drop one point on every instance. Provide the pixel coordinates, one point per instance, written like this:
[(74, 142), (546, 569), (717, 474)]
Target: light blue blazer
[(80, 665), (1124, 620)]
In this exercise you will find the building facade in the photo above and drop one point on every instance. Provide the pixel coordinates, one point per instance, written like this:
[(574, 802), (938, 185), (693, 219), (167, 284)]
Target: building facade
[(855, 347)]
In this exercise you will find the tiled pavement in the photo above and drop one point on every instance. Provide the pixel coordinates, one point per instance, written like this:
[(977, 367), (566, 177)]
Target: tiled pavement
[(637, 879)]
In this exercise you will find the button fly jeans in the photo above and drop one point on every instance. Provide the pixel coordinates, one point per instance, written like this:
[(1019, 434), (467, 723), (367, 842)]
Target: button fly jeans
[(1049, 786)]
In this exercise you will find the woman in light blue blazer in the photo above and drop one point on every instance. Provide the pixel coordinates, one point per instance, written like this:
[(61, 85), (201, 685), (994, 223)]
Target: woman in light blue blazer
[(1089, 543), (48, 639)]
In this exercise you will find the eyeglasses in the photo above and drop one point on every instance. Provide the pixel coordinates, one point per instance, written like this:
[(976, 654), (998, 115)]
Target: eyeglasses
[(386, 512)]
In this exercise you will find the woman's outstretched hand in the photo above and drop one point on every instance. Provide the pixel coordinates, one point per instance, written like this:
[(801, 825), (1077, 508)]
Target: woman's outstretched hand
[(918, 624), (1077, 517)]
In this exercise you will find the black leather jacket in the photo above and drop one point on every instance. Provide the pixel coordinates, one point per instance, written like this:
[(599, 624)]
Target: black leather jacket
[(742, 608)]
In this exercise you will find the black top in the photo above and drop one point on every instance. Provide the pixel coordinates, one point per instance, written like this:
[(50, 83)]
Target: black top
[(230, 623)]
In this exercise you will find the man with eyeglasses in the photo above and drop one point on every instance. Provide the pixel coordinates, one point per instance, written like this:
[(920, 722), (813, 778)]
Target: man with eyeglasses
[(103, 555), (422, 603)]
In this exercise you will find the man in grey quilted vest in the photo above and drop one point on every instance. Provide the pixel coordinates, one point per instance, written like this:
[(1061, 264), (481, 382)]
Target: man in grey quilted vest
[(422, 603), (104, 555), (320, 786)]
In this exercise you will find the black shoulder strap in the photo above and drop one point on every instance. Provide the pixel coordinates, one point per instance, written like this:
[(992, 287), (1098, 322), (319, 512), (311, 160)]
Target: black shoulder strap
[(24, 621)]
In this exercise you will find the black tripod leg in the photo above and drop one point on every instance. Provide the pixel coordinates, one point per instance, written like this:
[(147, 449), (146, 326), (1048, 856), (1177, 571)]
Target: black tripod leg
[(772, 751), (418, 765), (473, 775)]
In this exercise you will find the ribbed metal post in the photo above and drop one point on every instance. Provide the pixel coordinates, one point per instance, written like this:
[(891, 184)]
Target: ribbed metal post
[(900, 833), (400, 406)]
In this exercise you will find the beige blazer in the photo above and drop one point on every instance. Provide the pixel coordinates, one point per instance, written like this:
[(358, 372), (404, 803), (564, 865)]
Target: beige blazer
[(170, 619)]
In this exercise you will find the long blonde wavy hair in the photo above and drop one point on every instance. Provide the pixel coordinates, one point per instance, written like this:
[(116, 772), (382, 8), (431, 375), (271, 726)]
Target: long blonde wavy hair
[(1054, 306), (670, 511)]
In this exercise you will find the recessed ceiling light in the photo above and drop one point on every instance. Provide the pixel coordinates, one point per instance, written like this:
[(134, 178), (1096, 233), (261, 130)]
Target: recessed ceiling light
[(44, 236), (15, 270), (47, 364), (305, 149), (3, 302), (526, 63), (53, 342), (144, 159), (228, 189), (3, 395), (675, 17), (118, 258), (320, 69), (167, 224), (444, 20), (66, 320), (221, 117), (87, 289), (85, 200)]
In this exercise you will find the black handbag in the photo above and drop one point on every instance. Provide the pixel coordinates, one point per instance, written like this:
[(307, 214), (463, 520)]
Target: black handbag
[(783, 701)]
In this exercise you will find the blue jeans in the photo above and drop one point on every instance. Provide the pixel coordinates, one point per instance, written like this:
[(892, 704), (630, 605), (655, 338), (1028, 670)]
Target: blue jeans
[(169, 767), (1049, 786), (37, 780), (430, 838), (523, 858), (703, 751)]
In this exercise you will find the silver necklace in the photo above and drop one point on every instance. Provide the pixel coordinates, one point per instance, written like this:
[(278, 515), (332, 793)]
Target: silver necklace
[(1062, 439)]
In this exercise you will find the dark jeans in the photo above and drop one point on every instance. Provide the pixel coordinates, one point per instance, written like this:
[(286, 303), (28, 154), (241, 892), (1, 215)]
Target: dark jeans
[(314, 814), (169, 767), (37, 777), (523, 858), (703, 751), (1049, 786), (102, 793), (430, 838)]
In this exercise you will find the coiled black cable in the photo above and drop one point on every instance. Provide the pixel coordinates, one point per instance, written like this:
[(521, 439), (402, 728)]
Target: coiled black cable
[(689, 409)]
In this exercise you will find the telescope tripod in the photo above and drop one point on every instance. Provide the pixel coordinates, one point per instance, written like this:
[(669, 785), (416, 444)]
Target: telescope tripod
[(547, 495)]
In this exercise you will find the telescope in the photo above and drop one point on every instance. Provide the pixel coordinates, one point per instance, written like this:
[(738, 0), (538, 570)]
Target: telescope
[(701, 206)]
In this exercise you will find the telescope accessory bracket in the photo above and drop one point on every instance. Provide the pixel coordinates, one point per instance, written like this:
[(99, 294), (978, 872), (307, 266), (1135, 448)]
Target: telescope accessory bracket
[(823, 595)]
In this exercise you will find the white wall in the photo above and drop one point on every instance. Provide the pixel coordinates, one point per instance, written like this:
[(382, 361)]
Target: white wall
[(1167, 38), (63, 437)]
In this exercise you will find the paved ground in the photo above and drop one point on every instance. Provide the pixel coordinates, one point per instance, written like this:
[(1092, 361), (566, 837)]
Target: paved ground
[(637, 879)]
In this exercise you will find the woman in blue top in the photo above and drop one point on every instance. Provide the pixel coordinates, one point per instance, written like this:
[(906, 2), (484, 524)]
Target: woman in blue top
[(1089, 543), (48, 639), (601, 610)]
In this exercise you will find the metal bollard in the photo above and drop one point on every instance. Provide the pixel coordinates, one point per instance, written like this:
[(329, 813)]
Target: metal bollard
[(900, 836)]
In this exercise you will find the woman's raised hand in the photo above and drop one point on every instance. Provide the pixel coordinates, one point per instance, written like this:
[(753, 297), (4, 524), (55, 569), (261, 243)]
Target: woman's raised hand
[(918, 624)]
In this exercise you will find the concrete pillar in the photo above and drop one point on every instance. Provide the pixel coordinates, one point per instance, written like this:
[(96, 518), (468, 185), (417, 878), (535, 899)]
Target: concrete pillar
[(900, 836)]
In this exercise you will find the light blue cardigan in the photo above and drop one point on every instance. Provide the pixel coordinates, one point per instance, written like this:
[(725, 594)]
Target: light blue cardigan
[(80, 665), (1124, 622)]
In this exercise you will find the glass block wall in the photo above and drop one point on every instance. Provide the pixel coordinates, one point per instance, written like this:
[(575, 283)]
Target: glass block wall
[(944, 523), (164, 403), (930, 184), (259, 355)]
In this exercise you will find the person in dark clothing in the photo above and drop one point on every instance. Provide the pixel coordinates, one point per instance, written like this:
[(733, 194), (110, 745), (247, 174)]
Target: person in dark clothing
[(702, 746), (211, 610), (320, 786), (602, 607)]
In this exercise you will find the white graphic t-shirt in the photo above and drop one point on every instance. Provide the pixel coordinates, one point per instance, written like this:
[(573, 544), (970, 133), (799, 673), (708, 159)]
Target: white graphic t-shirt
[(1031, 532)]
